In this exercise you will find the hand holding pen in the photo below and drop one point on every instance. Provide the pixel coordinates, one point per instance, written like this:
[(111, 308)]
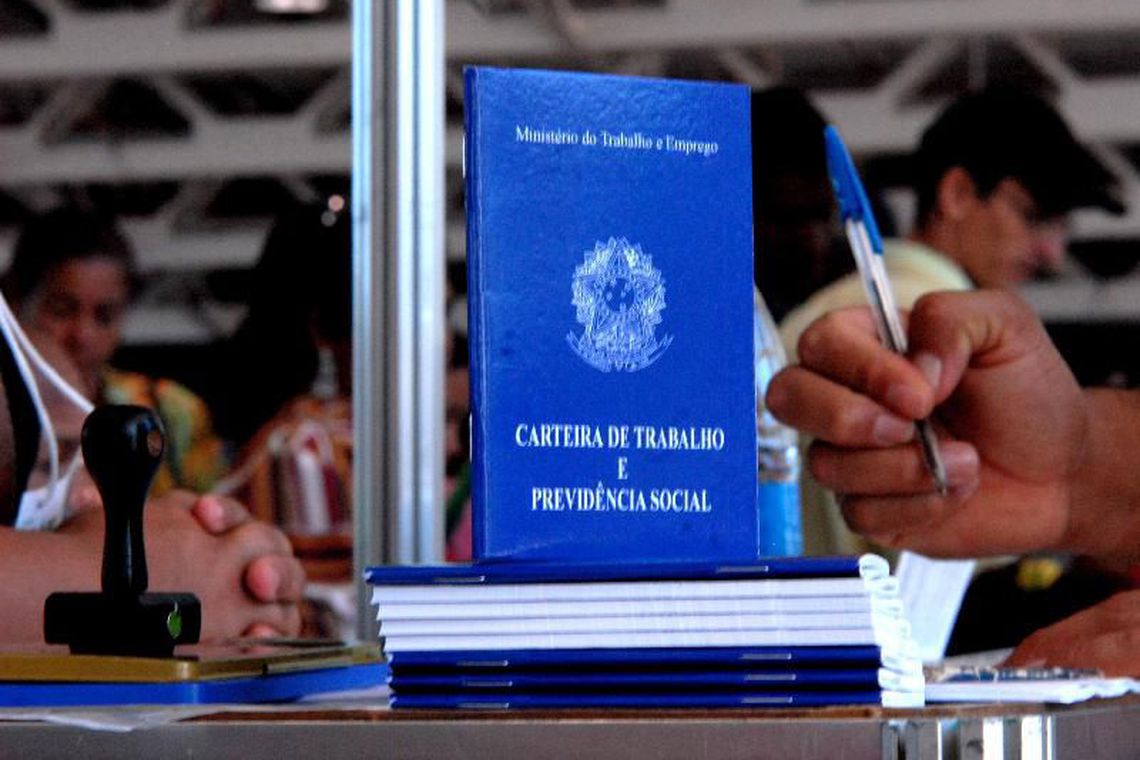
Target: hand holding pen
[(867, 247)]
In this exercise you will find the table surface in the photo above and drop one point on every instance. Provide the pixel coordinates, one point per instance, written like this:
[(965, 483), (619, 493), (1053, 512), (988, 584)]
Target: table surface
[(1095, 729)]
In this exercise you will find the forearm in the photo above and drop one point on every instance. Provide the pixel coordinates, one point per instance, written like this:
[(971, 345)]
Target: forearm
[(1104, 516), (34, 565)]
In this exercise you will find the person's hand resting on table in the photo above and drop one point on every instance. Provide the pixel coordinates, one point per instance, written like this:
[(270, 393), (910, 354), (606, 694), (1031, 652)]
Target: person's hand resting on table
[(243, 571)]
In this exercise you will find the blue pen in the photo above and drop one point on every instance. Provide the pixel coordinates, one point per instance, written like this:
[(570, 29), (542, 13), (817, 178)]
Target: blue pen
[(867, 246)]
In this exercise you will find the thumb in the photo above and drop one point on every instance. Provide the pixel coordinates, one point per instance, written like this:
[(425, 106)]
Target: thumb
[(950, 332)]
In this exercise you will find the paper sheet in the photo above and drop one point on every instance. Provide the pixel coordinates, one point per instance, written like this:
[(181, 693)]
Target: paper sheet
[(931, 592)]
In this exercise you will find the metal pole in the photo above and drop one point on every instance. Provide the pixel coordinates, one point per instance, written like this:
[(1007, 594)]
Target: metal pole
[(429, 182), (398, 254)]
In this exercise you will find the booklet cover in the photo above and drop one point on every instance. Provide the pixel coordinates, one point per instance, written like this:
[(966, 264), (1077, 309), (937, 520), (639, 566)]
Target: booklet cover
[(618, 680), (643, 699), (869, 567), (610, 318)]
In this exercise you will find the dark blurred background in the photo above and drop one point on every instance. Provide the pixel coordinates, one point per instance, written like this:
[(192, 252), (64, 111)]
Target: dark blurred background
[(196, 120)]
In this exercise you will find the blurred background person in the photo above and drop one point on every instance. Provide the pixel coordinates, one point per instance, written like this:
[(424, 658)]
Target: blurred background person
[(289, 407), (70, 282), (995, 176), (295, 338), (797, 248)]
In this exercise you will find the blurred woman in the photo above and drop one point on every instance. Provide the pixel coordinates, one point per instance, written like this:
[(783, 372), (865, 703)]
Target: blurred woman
[(71, 280), (288, 403)]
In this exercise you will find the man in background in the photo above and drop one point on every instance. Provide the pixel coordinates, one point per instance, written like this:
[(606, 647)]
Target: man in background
[(995, 176)]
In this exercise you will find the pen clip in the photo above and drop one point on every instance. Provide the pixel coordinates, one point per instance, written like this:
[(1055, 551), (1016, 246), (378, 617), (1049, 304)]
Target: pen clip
[(849, 192)]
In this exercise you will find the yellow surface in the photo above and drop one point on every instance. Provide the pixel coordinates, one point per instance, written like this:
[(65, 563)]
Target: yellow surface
[(191, 663)]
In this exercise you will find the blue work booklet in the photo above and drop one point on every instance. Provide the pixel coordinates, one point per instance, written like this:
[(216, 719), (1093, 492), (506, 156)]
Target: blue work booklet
[(609, 680), (868, 567), (768, 698), (610, 318)]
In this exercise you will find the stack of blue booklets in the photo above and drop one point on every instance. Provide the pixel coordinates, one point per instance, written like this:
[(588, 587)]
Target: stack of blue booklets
[(620, 553), (781, 632)]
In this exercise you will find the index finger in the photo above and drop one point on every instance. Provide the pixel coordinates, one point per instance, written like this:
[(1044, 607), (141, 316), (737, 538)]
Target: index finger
[(274, 578), (1102, 636), (219, 514), (832, 412), (842, 346)]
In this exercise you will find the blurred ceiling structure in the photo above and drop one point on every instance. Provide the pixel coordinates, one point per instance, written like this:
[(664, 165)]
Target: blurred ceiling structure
[(195, 118)]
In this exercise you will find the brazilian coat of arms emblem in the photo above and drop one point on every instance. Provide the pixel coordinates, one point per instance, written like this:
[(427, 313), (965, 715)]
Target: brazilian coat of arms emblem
[(619, 297)]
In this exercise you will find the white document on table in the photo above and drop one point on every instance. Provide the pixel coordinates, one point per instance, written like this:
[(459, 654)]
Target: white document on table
[(931, 591)]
